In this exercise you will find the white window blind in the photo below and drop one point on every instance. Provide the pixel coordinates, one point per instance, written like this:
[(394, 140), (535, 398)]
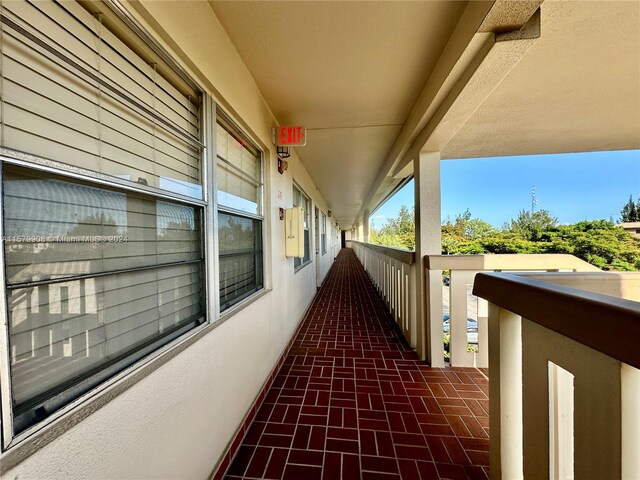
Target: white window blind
[(240, 245), (49, 223), (97, 276), (93, 275), (75, 93), (238, 174), (239, 191)]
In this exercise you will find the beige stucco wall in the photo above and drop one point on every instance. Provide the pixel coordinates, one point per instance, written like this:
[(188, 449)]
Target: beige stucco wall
[(177, 422)]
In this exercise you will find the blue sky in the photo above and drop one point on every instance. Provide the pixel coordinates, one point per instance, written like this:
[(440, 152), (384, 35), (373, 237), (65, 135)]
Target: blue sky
[(572, 187)]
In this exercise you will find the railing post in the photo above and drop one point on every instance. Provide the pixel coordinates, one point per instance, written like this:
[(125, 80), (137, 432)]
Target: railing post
[(597, 405), (396, 290), (483, 333), (564, 383), (391, 272), (459, 279), (505, 390), (412, 321), (406, 269), (366, 259), (433, 311)]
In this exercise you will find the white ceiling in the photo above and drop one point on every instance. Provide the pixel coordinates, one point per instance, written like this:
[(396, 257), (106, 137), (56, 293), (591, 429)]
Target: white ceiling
[(576, 89), (348, 71), (351, 72)]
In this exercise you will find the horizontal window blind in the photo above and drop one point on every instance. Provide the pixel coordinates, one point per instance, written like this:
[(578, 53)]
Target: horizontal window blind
[(239, 194), (75, 93), (240, 247), (64, 330), (238, 173), (93, 276), (55, 229)]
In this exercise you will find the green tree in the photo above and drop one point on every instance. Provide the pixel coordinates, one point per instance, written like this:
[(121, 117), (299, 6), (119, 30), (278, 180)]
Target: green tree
[(599, 242), (630, 212), (508, 242), (467, 227), (397, 232), (529, 225), (462, 235)]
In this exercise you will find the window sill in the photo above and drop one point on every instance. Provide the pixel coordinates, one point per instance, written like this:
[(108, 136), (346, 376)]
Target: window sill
[(26, 443), (297, 269), (35, 438), (231, 311)]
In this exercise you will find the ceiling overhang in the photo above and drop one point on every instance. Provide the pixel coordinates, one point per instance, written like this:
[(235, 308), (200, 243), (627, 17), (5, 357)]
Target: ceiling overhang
[(375, 83)]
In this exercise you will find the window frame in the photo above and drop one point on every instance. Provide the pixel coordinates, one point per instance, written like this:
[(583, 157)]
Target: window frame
[(112, 376), (118, 381), (230, 307), (323, 233), (306, 260), (108, 375)]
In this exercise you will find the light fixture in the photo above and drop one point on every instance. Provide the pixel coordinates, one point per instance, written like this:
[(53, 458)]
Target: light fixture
[(282, 166), (283, 152)]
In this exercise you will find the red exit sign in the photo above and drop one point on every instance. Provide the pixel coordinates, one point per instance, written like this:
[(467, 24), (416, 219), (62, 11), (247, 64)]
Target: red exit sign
[(291, 136)]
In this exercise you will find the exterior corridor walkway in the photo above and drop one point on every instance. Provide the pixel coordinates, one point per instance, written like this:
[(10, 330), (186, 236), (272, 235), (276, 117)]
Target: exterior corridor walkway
[(352, 401)]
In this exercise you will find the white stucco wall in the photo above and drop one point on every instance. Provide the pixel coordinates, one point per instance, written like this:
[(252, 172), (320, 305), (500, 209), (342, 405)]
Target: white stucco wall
[(177, 422)]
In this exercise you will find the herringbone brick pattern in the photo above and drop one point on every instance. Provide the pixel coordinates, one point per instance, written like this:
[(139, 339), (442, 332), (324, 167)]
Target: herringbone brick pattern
[(353, 402)]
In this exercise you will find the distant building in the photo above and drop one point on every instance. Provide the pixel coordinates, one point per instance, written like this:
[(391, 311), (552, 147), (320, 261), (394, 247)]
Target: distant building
[(632, 227)]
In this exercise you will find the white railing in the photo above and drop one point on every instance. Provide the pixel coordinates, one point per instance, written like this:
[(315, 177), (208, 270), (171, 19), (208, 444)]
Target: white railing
[(564, 374), (467, 314), (393, 273)]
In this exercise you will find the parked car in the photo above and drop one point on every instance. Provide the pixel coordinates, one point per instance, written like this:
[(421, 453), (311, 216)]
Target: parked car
[(472, 335), (472, 328)]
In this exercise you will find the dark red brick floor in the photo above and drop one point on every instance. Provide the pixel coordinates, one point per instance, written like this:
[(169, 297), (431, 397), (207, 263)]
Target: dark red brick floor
[(353, 402)]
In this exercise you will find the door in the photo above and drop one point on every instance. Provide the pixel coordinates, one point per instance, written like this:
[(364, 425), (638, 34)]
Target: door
[(343, 235)]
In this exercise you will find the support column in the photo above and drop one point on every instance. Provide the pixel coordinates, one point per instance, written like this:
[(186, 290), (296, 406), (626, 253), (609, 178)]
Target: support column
[(365, 226), (426, 177)]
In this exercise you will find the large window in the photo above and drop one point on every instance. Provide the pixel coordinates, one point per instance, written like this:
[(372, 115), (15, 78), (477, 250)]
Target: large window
[(96, 277), (103, 203), (239, 188), (301, 200)]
